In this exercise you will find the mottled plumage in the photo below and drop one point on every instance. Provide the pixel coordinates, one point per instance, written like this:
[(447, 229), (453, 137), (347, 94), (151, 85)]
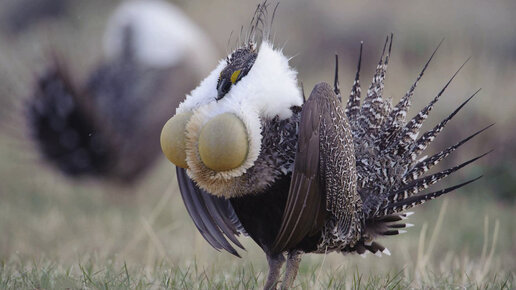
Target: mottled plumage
[(356, 169)]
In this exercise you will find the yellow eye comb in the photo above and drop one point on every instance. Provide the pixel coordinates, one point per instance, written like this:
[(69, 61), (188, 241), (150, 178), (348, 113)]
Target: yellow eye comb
[(234, 76)]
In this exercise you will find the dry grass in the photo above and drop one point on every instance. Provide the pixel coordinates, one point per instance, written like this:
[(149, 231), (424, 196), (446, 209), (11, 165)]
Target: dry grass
[(56, 233)]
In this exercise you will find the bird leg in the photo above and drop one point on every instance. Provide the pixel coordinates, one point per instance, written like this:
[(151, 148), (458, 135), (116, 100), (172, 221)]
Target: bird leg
[(293, 261), (275, 264)]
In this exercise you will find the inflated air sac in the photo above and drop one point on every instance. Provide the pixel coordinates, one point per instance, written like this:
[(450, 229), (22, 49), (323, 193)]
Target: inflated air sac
[(223, 142), (173, 139)]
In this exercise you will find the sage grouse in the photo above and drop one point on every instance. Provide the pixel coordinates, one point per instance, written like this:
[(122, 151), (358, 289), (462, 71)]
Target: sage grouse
[(108, 127), (299, 177)]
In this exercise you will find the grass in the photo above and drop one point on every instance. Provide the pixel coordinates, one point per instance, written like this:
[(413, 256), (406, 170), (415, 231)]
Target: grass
[(56, 233), (118, 275)]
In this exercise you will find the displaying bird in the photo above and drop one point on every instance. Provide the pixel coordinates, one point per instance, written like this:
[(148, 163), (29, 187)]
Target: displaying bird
[(299, 177), (108, 127)]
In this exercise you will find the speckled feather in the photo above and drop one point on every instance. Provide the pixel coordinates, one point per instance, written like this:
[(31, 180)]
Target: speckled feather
[(356, 168), (337, 155), (389, 168)]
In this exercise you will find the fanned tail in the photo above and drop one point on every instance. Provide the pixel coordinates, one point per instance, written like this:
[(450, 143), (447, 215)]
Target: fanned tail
[(390, 170)]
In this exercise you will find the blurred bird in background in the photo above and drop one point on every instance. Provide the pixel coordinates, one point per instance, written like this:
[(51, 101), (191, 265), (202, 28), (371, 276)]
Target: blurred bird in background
[(19, 15), (108, 126), (325, 175)]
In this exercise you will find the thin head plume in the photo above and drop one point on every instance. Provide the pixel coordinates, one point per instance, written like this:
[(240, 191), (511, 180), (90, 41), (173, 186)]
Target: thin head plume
[(258, 23), (285, 45), (255, 22), (250, 29), (228, 43), (272, 22), (240, 35), (336, 81)]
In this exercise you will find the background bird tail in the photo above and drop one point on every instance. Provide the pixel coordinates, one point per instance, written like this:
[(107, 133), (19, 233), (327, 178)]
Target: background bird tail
[(61, 124)]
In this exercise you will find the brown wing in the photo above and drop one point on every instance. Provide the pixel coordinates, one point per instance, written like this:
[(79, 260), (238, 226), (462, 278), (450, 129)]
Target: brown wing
[(304, 212), (323, 182), (214, 217)]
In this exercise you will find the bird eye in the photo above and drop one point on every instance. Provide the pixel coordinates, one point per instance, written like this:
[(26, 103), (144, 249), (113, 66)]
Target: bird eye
[(234, 76)]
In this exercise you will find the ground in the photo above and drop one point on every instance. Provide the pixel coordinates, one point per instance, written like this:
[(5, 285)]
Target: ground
[(57, 233)]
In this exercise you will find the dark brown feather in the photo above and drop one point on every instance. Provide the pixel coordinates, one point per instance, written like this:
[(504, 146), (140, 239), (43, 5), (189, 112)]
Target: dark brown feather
[(319, 191), (213, 216), (303, 210)]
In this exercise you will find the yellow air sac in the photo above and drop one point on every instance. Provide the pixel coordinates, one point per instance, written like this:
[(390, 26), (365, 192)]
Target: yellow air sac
[(223, 143), (173, 139)]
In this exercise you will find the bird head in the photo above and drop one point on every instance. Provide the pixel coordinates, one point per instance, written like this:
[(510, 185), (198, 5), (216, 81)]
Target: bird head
[(217, 131)]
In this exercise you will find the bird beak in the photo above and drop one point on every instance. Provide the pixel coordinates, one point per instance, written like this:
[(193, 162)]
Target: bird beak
[(222, 88)]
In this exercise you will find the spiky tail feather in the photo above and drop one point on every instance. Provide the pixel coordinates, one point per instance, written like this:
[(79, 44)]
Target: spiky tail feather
[(398, 114), (421, 144), (420, 199), (387, 225), (423, 183), (387, 150), (353, 105)]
